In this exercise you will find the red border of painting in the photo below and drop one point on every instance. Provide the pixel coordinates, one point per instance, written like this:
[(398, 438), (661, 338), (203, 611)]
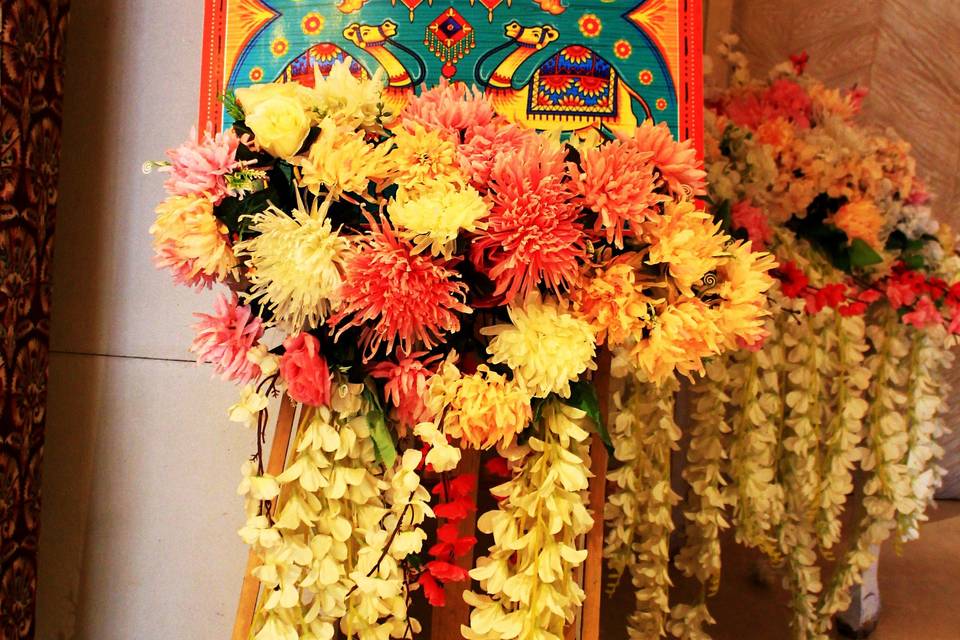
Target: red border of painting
[(689, 88), (211, 71)]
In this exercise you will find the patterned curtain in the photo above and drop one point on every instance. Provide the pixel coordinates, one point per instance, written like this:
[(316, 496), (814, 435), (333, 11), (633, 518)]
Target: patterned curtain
[(31, 98)]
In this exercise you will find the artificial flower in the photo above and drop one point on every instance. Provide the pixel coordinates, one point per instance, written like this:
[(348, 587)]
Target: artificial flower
[(191, 242), (860, 219), (278, 116), (924, 314), (405, 386), (248, 407), (304, 370), (545, 345), (615, 301), (352, 101), (225, 339), (448, 107), (482, 409), (676, 161), (686, 241), (744, 215), (793, 281), (423, 160), (297, 262), (433, 219), (483, 144), (619, 184), (340, 160), (396, 296), (532, 233), (201, 167)]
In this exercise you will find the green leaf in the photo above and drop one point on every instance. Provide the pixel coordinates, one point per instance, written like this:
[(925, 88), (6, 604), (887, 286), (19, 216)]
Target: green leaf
[(914, 261), (583, 396), (233, 108), (862, 254), (383, 444)]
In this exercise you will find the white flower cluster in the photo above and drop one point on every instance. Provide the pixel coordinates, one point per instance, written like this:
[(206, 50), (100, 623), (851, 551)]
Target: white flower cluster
[(638, 514), (527, 579), (331, 558)]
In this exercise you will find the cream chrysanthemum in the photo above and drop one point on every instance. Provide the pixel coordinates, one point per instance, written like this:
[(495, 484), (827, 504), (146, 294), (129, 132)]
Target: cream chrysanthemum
[(297, 263), (340, 160), (545, 345), (688, 241), (356, 102), (434, 218)]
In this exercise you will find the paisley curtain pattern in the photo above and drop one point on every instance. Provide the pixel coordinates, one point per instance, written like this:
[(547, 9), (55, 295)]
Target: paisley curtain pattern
[(31, 95)]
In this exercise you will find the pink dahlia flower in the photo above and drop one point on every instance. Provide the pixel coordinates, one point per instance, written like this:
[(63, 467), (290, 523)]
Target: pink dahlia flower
[(225, 337), (484, 143), (305, 371), (201, 167)]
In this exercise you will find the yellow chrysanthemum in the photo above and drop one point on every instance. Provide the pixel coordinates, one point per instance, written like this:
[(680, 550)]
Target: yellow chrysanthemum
[(297, 263), (688, 241), (743, 280), (482, 409), (860, 219), (191, 242), (435, 217), (683, 334), (422, 160), (614, 301), (340, 160), (545, 345)]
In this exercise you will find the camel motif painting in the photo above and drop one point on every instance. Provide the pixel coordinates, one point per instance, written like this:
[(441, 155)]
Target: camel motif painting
[(574, 89), (374, 39)]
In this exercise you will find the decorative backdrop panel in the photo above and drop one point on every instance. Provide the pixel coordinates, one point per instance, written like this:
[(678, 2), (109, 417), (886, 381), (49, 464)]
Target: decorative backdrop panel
[(31, 92), (547, 63)]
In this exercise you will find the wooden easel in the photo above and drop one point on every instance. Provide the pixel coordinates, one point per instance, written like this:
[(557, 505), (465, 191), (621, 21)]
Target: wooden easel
[(446, 621)]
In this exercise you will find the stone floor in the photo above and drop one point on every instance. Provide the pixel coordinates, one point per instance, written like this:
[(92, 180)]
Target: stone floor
[(920, 591)]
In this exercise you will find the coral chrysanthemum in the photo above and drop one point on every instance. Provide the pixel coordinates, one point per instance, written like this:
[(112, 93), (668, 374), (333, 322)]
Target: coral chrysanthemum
[(532, 233), (688, 241), (191, 242), (201, 167), (448, 107), (405, 386), (225, 338), (618, 183), (545, 345), (434, 218), (483, 144), (296, 264), (482, 409), (398, 296), (676, 162), (614, 300)]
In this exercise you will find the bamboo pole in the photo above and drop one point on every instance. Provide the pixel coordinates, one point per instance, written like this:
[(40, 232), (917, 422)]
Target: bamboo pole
[(250, 588)]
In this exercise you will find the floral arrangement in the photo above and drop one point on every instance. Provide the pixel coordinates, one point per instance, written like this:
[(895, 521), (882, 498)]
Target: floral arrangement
[(424, 283), (846, 380)]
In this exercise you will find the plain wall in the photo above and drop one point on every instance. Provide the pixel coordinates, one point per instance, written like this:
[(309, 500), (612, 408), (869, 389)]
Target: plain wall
[(140, 511)]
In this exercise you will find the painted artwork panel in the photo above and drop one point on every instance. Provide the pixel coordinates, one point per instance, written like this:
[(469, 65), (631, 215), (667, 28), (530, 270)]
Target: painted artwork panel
[(545, 63)]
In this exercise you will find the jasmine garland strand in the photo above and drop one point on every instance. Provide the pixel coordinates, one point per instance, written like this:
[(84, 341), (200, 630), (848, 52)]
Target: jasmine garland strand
[(706, 501)]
